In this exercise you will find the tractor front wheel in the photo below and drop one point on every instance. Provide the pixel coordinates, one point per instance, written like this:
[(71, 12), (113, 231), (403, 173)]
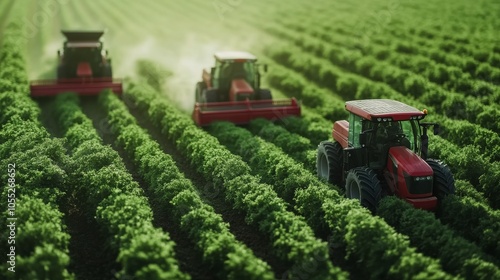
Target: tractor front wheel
[(329, 162), (362, 184), (444, 183)]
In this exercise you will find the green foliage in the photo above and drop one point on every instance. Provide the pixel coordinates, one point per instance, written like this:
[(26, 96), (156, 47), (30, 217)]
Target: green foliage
[(109, 193), (293, 240), (199, 220), (455, 253)]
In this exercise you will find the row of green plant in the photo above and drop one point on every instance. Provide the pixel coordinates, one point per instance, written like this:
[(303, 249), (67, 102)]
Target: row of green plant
[(299, 186), (293, 241), (450, 104), (101, 182), (470, 208), (445, 75), (41, 238), (467, 163), (169, 187), (427, 233), (451, 48)]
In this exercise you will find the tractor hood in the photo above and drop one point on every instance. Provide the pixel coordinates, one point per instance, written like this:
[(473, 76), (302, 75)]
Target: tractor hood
[(410, 172), (411, 163), (82, 36)]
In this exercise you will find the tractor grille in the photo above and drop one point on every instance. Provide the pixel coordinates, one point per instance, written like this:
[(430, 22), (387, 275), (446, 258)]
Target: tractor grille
[(420, 185)]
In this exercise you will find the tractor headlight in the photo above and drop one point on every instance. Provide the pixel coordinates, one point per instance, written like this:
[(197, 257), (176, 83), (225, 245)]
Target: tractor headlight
[(423, 178)]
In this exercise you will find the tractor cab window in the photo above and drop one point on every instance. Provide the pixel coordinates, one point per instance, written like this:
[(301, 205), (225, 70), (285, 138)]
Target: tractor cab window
[(217, 73), (226, 71), (354, 130), (249, 68)]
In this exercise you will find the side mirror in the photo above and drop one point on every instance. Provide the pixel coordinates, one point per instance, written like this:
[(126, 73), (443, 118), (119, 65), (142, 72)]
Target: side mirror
[(437, 129)]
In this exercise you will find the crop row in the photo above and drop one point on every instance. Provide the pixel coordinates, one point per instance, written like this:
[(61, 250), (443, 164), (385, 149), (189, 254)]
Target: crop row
[(292, 239), (452, 104), (378, 59), (294, 183), (197, 219), (467, 163), (438, 63), (447, 47), (27, 148), (110, 194)]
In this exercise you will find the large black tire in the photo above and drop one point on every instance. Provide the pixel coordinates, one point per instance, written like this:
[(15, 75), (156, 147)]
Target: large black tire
[(362, 184), (444, 183), (329, 162), (265, 94), (209, 95), (200, 86)]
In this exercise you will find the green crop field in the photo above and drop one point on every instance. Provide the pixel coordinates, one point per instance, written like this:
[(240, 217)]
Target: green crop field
[(129, 187)]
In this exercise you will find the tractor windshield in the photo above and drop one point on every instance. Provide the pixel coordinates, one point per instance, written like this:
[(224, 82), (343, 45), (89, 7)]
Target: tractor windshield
[(76, 55), (235, 70), (388, 134), (404, 133)]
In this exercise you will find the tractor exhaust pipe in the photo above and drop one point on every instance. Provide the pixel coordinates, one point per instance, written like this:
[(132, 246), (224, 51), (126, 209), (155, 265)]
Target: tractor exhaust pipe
[(425, 138)]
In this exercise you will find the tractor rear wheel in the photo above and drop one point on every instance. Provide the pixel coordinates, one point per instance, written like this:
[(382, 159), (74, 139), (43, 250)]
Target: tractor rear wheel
[(265, 94), (329, 162), (444, 183), (200, 86), (362, 184)]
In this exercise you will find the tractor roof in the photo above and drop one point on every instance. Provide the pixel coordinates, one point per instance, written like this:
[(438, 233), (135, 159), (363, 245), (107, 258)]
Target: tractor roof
[(377, 109), (235, 56), (82, 36)]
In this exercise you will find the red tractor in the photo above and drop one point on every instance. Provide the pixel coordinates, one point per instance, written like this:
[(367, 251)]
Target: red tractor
[(231, 92), (381, 150), (83, 67)]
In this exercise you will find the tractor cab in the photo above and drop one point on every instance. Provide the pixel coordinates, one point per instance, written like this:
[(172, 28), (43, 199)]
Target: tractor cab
[(383, 148), (83, 55), (236, 72)]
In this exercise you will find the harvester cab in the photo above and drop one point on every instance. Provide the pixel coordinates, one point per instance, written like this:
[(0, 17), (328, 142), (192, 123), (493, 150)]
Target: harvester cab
[(382, 149), (231, 91), (83, 67)]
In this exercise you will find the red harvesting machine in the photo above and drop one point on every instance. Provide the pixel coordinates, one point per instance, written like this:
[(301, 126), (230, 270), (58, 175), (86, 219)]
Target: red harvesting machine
[(231, 92), (83, 68)]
